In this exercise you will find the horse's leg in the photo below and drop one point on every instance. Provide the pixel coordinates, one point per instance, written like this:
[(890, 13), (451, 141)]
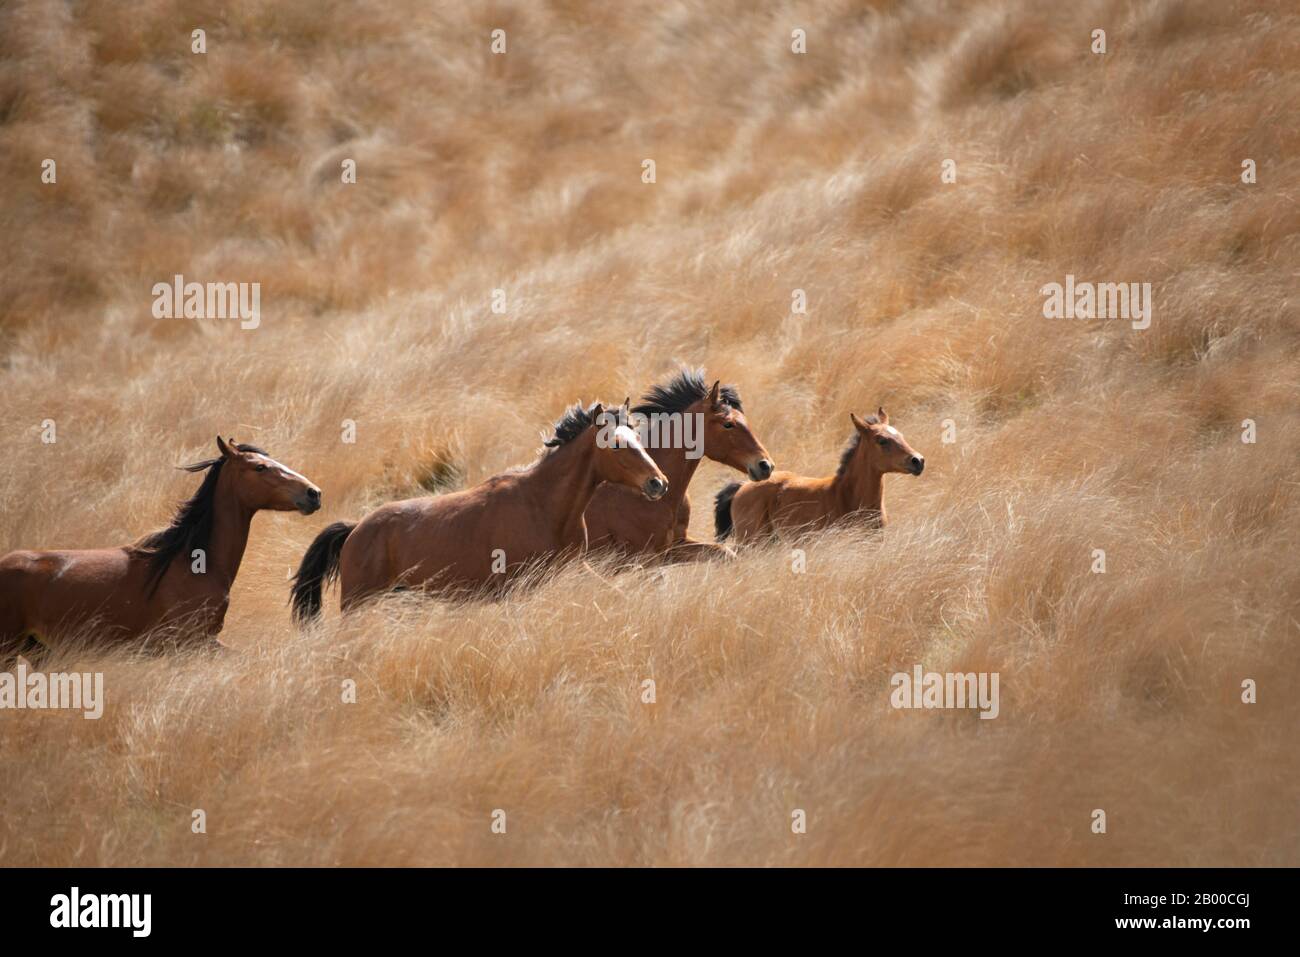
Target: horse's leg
[(682, 524), (751, 512), (362, 570), (13, 638), (351, 593), (215, 624)]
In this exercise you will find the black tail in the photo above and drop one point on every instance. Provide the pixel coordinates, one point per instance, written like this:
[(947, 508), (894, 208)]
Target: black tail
[(722, 510), (320, 566)]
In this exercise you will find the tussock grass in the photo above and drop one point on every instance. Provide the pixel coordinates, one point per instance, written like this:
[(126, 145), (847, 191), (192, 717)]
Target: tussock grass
[(820, 172)]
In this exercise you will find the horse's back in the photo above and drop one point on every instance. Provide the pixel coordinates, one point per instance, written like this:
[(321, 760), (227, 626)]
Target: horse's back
[(17, 564), (783, 501), (18, 571), (43, 591), (28, 568), (407, 542)]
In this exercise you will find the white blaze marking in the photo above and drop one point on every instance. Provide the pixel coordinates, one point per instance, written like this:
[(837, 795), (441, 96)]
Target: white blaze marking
[(631, 440), (891, 430), (289, 472)]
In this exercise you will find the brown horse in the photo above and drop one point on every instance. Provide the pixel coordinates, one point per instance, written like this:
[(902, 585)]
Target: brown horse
[(478, 540), (180, 576), (788, 504), (684, 410)]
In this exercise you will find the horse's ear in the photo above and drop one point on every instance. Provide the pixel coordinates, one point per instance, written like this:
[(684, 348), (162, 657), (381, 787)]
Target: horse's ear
[(229, 448), (880, 414), (597, 411), (715, 393), (858, 423)]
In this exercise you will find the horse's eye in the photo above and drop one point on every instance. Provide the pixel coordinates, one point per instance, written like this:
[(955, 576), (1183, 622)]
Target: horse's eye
[(884, 443), (728, 425), (261, 468)]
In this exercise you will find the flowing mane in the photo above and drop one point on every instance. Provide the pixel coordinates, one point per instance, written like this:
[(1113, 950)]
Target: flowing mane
[(191, 526), (572, 424), (681, 392)]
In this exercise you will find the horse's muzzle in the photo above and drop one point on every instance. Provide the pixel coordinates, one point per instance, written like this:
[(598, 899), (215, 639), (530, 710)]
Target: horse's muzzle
[(308, 501), (917, 464), (760, 470), (654, 489)]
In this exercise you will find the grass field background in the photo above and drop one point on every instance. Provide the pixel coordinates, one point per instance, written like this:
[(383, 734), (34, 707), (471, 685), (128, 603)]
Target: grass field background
[(775, 171)]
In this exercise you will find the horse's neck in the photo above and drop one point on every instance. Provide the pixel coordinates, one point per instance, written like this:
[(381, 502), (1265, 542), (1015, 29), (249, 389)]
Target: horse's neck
[(230, 525), (859, 487), (678, 469), (564, 482)]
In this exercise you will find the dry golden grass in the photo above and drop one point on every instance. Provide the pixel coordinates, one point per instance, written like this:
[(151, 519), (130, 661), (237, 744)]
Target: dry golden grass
[(775, 171)]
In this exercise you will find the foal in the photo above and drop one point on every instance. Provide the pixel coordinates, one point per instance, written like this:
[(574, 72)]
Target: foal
[(619, 518), (159, 580), (788, 503), (481, 538)]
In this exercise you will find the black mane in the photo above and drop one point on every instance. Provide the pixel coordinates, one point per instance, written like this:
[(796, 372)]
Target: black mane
[(572, 424), (191, 526), (682, 391)]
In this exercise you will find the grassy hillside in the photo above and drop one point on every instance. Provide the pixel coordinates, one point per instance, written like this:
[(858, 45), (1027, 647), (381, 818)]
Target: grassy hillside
[(774, 172)]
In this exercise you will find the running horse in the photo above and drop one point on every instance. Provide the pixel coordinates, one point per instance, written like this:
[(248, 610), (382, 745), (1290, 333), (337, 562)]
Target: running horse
[(618, 518), (788, 504), (115, 595), (478, 540)]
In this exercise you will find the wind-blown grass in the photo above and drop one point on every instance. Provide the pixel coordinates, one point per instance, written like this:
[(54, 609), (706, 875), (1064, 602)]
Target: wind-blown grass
[(775, 172)]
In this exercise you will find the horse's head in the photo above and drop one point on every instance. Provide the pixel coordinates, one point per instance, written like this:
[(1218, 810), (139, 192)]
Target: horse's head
[(883, 446), (260, 482), (727, 437), (621, 458)]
